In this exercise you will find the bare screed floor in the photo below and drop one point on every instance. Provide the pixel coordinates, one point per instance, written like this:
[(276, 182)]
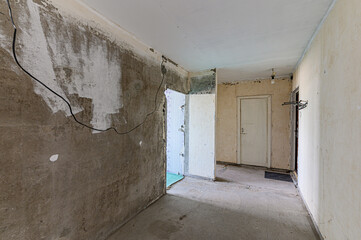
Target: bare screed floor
[(241, 204)]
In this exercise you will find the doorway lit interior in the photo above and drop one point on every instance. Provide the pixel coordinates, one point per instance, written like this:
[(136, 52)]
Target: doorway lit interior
[(175, 136)]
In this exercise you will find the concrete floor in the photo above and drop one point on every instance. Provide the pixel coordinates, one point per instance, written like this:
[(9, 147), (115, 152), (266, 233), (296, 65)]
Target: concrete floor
[(241, 204)]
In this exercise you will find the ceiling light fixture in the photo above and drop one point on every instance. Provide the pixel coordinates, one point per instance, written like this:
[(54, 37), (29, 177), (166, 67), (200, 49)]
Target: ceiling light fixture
[(273, 76)]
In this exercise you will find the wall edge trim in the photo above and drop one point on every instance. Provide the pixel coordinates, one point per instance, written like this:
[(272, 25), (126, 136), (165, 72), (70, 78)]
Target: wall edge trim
[(133, 216), (310, 214), (309, 44)]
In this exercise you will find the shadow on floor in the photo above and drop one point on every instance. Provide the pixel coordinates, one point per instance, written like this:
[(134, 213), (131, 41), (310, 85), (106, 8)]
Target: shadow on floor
[(240, 204), (219, 179), (174, 217)]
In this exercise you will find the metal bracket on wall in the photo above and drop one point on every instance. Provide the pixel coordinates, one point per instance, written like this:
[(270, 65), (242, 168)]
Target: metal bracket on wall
[(300, 104)]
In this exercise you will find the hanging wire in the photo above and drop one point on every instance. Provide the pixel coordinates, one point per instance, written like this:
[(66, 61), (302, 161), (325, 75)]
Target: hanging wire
[(163, 70)]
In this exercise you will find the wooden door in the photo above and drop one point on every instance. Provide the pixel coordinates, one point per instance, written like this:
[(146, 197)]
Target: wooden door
[(254, 131)]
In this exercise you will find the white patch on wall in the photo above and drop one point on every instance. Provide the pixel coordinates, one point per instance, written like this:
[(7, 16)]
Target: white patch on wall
[(95, 78), (5, 43), (202, 110), (95, 73), (54, 157), (36, 59)]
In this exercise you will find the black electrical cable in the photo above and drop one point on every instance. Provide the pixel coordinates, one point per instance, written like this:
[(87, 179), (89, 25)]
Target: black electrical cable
[(163, 70)]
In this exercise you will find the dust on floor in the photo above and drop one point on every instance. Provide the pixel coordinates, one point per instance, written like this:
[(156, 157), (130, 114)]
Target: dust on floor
[(242, 204)]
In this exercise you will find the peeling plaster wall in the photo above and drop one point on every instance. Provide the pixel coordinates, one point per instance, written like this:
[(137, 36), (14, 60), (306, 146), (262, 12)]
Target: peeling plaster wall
[(204, 83), (226, 124), (329, 133), (98, 180)]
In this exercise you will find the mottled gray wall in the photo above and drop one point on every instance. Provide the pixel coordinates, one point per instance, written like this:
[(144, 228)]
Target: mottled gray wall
[(203, 84), (99, 180)]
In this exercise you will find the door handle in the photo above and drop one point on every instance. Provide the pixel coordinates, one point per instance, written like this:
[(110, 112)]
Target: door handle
[(242, 131), (181, 129)]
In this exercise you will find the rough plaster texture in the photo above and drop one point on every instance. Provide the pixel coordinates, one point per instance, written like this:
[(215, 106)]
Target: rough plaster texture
[(330, 136), (226, 123), (203, 84), (97, 181)]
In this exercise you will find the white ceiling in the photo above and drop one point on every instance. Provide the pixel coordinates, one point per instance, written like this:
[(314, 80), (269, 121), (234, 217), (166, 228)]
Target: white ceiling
[(243, 39)]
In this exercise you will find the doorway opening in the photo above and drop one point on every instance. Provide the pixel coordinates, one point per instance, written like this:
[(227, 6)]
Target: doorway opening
[(175, 149), (295, 130), (254, 131)]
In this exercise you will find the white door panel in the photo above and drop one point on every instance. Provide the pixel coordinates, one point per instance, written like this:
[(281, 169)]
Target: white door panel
[(201, 135), (254, 131), (175, 131)]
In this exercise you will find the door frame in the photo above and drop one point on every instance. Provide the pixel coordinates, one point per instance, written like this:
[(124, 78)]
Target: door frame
[(165, 129), (293, 130), (269, 125)]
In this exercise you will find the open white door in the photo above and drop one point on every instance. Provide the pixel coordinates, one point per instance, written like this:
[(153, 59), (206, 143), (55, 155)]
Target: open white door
[(175, 131)]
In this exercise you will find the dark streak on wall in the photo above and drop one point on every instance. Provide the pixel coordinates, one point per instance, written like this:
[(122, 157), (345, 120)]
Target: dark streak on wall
[(100, 180), (204, 84)]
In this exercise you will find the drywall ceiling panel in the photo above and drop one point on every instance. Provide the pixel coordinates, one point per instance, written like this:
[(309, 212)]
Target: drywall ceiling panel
[(242, 38)]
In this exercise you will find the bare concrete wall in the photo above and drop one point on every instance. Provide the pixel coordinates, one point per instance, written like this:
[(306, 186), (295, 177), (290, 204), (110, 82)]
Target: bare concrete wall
[(204, 83), (99, 179), (226, 124), (330, 133)]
